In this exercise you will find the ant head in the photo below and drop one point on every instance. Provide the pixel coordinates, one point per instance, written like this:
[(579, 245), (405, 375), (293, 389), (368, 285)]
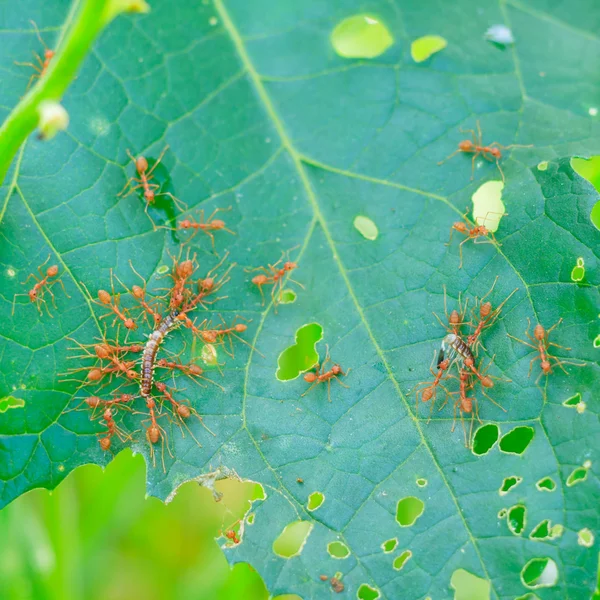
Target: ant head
[(107, 415), (485, 309), (184, 411), (546, 366), (259, 279), (104, 297), (93, 401), (444, 364), (241, 327), (150, 403), (185, 269), (289, 266), (195, 370), (310, 377), (185, 224), (130, 324), (160, 386), (454, 317), (336, 369), (468, 362), (466, 146), (153, 434), (487, 382), (94, 375), (126, 397), (206, 284), (33, 294), (137, 291), (460, 226), (217, 224), (149, 196), (141, 164), (49, 54), (105, 443), (539, 332), (52, 271), (495, 152), (101, 351), (131, 374)]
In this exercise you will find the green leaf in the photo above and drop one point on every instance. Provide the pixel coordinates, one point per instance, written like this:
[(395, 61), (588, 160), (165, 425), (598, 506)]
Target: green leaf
[(261, 114)]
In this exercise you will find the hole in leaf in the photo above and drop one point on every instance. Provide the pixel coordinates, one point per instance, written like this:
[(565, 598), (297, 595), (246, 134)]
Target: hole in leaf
[(400, 560), (421, 482), (9, 402), (578, 475), (162, 269), (539, 572), (366, 227), (556, 530), (338, 550), (366, 592), (469, 587), (408, 510), (509, 483), (546, 484), (541, 530), (596, 341), (578, 272), (543, 166), (585, 537), (517, 440), (292, 539), (516, 518), (488, 207), (573, 400), (389, 545), (302, 355), (287, 297), (209, 356), (424, 47), (250, 519), (361, 36), (502, 513), (485, 438), (258, 493), (315, 500), (590, 169)]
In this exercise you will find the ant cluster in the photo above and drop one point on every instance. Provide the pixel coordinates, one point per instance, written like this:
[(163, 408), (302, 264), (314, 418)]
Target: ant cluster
[(130, 368), (462, 350)]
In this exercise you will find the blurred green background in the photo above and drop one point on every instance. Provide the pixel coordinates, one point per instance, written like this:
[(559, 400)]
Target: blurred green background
[(97, 537)]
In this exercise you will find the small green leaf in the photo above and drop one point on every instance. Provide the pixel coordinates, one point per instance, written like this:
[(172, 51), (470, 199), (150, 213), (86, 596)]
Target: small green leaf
[(424, 47)]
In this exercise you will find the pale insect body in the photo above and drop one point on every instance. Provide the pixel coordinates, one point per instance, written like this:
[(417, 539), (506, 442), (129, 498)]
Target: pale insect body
[(452, 345)]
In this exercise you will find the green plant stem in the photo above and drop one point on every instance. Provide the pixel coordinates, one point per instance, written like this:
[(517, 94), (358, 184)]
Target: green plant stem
[(88, 20)]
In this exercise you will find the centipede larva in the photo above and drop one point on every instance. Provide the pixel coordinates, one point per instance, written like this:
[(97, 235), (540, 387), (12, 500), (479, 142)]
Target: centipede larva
[(151, 349)]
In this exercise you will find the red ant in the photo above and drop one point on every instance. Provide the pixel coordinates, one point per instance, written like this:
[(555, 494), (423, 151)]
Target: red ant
[(487, 317), (155, 433), (208, 286), (139, 293), (143, 181), (274, 276), (491, 152), (206, 226), (192, 370), (320, 375), (428, 389), (42, 66), (211, 336), (112, 429), (36, 293), (465, 404), (455, 319), (485, 380), (542, 345), (473, 232)]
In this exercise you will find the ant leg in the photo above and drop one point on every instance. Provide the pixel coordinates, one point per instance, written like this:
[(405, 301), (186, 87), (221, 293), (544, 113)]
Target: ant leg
[(148, 215), (32, 65), (441, 162), (132, 189), (475, 155), (160, 157), (293, 281), (14, 300), (460, 264), (480, 138), (500, 169), (182, 206), (547, 331), (531, 364)]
